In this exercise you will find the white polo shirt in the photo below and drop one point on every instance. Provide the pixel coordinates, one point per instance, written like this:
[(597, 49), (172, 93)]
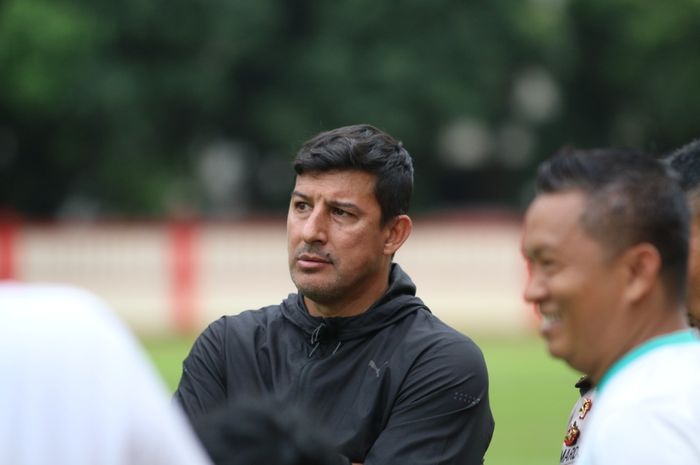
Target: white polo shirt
[(648, 406), (76, 389), (577, 427)]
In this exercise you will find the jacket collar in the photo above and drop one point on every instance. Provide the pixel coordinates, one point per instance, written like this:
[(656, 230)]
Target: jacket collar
[(398, 301)]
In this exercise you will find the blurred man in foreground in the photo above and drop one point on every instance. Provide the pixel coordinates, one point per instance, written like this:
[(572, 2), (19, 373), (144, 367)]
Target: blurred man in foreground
[(262, 431), (685, 162), (606, 240), (76, 388), (355, 347)]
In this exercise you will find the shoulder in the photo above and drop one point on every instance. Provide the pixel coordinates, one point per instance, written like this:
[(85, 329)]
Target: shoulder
[(663, 410), (49, 301), (436, 335), (441, 347), (650, 434), (70, 317), (246, 320), (660, 376), (242, 329), (446, 370)]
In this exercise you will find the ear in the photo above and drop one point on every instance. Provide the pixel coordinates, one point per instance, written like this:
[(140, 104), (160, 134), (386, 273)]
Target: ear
[(642, 264), (397, 231)]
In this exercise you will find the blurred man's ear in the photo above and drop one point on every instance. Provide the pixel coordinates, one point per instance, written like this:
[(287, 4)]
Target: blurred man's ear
[(642, 264)]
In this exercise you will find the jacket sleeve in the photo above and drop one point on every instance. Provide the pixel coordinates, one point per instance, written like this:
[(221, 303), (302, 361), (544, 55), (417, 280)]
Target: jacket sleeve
[(442, 415), (202, 385)]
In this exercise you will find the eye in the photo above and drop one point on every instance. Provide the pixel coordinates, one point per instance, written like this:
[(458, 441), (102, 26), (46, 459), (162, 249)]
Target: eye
[(548, 264), (340, 212), (301, 206)]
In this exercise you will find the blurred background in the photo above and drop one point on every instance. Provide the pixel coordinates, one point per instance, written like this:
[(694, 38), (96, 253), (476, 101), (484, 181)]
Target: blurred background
[(145, 148), (149, 109)]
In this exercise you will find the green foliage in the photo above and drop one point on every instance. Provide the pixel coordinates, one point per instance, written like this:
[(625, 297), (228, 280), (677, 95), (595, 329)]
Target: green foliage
[(632, 83), (116, 102)]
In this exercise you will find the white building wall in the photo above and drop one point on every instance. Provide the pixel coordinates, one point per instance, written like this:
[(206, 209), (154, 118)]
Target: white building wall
[(469, 272)]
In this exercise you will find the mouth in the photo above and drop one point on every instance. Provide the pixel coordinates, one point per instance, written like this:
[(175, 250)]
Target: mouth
[(549, 322), (308, 261)]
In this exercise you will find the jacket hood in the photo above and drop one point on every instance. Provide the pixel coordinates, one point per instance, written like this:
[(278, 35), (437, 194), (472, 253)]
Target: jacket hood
[(396, 303)]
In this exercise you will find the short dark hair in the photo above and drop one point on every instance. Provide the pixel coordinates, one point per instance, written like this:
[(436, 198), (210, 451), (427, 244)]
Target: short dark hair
[(631, 198), (685, 163), (263, 431), (365, 148)]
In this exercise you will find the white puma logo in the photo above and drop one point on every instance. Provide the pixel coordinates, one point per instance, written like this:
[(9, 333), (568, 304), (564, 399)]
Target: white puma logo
[(374, 366)]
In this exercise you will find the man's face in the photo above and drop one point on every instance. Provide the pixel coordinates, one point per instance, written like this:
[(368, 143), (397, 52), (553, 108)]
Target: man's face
[(693, 298), (573, 284), (335, 240)]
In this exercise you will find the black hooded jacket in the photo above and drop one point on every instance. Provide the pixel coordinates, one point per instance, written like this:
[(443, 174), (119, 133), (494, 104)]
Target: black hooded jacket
[(393, 385)]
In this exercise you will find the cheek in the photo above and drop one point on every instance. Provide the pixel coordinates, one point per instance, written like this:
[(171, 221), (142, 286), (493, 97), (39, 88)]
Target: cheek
[(358, 239), (294, 229), (694, 279), (581, 297), (569, 286), (694, 259), (290, 238), (358, 251)]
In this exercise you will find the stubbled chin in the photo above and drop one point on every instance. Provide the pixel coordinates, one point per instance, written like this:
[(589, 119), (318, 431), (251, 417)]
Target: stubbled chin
[(309, 280)]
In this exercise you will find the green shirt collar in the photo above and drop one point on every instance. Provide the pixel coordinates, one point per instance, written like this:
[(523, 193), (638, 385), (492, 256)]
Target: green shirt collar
[(675, 338)]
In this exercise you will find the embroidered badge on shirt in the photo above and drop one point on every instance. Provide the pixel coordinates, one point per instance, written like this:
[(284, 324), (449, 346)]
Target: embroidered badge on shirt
[(585, 408), (572, 435)]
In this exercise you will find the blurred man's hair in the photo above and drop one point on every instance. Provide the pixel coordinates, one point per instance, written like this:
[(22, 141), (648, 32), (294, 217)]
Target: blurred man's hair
[(257, 431), (365, 148), (685, 162), (631, 198)]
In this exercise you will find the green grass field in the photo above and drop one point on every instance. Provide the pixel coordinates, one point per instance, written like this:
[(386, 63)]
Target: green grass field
[(531, 395)]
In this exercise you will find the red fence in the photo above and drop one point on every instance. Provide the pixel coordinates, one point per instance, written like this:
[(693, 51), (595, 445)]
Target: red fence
[(179, 276)]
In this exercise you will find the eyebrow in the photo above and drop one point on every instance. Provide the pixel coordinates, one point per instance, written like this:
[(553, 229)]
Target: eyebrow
[(299, 194), (344, 205), (533, 254), (332, 203)]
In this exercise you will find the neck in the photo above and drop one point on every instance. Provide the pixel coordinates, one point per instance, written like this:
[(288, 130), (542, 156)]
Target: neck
[(665, 322)]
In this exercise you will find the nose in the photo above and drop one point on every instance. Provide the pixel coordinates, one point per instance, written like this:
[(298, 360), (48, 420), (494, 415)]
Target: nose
[(535, 289), (315, 227)]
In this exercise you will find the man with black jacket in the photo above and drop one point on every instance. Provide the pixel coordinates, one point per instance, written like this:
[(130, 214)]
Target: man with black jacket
[(355, 347)]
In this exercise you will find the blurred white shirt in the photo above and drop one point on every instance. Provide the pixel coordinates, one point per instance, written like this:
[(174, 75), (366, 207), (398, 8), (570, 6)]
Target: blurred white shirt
[(76, 388), (647, 410)]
